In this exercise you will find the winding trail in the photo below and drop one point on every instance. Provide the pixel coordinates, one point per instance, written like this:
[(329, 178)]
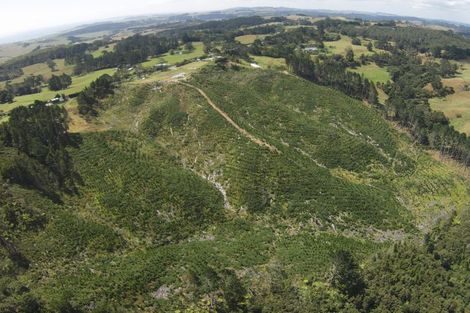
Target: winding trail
[(244, 132)]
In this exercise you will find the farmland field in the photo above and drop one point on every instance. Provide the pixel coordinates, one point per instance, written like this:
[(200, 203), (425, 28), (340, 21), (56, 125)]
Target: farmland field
[(374, 73), (176, 58), (340, 46), (101, 50), (12, 50), (457, 106), (167, 75), (269, 62), (44, 70), (248, 39), (78, 84)]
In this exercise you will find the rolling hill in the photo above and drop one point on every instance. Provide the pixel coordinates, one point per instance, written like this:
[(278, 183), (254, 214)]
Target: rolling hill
[(206, 192)]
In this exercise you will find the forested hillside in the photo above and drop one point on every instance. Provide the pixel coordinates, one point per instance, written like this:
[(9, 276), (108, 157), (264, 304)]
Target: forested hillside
[(255, 164), (177, 209)]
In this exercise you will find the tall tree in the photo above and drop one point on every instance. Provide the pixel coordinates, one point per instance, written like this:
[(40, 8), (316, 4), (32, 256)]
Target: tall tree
[(60, 82), (40, 133), (347, 276)]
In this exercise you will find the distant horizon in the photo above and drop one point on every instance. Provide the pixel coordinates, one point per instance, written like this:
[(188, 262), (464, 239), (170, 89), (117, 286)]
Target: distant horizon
[(18, 22)]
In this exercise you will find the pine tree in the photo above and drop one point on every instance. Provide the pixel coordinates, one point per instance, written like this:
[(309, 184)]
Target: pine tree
[(347, 276)]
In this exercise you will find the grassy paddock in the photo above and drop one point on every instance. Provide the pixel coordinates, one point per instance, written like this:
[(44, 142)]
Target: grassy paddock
[(44, 70), (457, 106), (249, 39), (167, 75), (268, 62), (78, 84), (100, 51), (176, 58), (374, 73), (340, 46)]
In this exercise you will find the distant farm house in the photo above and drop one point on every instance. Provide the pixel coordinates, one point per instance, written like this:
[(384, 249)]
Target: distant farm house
[(161, 66), (54, 101), (179, 76), (311, 49)]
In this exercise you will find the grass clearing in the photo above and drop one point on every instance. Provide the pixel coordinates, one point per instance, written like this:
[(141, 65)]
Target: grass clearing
[(456, 106), (248, 39), (78, 84), (303, 17), (77, 124), (340, 46), (12, 50), (44, 70), (270, 63), (373, 72), (100, 51), (168, 75), (176, 58)]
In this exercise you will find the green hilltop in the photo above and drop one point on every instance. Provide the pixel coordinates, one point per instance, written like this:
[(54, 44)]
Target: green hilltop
[(178, 206)]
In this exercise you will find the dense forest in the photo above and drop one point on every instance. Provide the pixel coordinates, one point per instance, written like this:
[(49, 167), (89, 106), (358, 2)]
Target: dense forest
[(332, 72), (89, 99), (39, 133), (130, 51)]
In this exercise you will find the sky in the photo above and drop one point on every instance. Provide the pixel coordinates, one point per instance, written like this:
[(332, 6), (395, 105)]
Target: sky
[(19, 16)]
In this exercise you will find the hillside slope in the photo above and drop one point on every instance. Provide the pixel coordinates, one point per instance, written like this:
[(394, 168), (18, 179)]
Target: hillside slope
[(179, 208)]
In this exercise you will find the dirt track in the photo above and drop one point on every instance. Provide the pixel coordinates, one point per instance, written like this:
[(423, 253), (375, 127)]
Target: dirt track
[(244, 132)]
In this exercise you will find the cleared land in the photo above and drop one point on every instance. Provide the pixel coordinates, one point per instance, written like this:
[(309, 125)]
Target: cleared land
[(78, 84), (457, 106), (340, 46), (44, 70), (11, 50), (177, 57), (248, 39), (270, 63), (168, 75), (101, 50), (8, 51), (374, 73)]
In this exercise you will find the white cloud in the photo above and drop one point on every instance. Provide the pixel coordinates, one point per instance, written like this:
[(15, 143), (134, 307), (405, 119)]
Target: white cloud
[(443, 4)]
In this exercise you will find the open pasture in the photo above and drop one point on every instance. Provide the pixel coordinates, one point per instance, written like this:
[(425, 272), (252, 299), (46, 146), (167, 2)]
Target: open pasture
[(78, 84), (457, 106), (373, 72), (178, 56)]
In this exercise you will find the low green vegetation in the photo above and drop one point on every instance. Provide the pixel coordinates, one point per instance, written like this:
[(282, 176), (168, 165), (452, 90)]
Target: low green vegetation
[(78, 84), (177, 56), (457, 106), (44, 70), (216, 187), (174, 206), (270, 63), (169, 75), (374, 73), (248, 39), (345, 43), (102, 50)]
